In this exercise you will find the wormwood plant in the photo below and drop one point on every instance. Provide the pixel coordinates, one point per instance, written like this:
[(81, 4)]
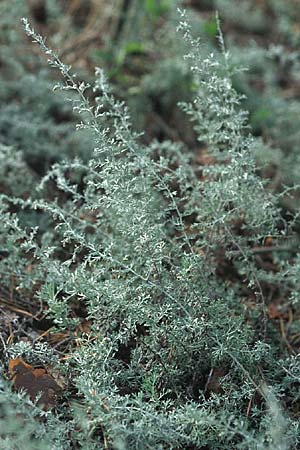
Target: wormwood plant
[(172, 359)]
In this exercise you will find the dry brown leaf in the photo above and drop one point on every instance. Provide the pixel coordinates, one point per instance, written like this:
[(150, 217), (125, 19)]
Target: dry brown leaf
[(35, 382)]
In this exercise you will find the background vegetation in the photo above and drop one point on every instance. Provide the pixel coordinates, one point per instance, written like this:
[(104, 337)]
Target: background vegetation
[(149, 261)]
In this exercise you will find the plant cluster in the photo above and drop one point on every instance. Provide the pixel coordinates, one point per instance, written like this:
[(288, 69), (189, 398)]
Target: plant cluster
[(156, 272)]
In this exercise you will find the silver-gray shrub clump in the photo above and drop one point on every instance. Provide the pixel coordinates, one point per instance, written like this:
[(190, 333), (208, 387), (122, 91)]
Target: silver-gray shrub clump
[(135, 239)]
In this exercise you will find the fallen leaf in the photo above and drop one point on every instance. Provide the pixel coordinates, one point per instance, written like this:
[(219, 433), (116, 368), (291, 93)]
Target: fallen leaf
[(277, 312), (35, 382)]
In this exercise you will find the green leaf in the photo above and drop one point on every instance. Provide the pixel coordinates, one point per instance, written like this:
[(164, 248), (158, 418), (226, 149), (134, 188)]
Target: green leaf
[(156, 7), (210, 27), (134, 47)]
